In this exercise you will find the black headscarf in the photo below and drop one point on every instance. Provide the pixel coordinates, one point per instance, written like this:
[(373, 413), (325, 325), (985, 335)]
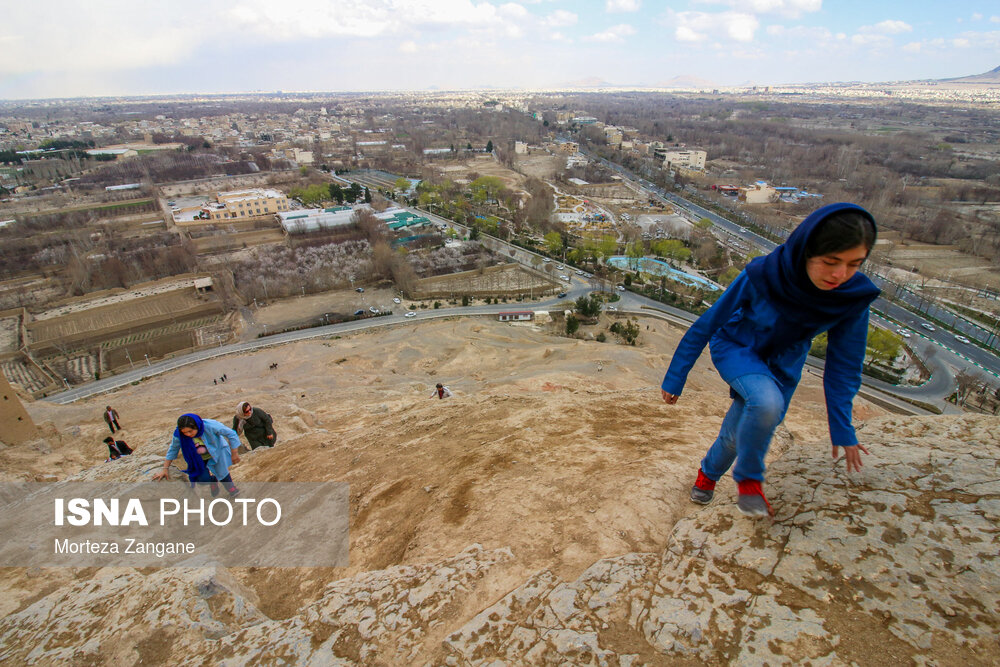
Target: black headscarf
[(781, 277)]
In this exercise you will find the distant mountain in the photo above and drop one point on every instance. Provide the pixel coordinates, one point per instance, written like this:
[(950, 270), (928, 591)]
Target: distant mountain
[(685, 81), (993, 76)]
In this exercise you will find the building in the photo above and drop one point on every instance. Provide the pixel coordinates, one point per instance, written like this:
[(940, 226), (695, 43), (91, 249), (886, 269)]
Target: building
[(315, 219), (682, 158), (520, 148), (515, 316), (234, 205), (613, 136), (758, 193)]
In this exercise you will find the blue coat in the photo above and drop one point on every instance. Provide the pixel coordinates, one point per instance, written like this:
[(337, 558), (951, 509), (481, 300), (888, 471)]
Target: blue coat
[(219, 440), (742, 329)]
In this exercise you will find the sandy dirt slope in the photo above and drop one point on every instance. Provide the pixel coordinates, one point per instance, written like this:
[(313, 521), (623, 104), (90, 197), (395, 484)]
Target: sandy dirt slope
[(559, 450)]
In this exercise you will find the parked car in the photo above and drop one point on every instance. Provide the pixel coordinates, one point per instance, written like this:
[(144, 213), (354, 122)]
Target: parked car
[(562, 295), (358, 313), (620, 288), (359, 289), (927, 326), (566, 278), (962, 339), (410, 314), (373, 309), (903, 332), (613, 308), (395, 299)]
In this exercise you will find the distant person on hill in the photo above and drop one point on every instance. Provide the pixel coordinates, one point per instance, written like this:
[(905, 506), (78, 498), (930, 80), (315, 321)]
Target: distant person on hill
[(116, 448), (255, 424), (759, 333), (208, 447), (111, 419), (441, 391)]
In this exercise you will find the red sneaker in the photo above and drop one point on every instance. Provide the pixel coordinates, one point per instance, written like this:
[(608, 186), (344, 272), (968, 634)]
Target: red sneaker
[(751, 501), (703, 489)]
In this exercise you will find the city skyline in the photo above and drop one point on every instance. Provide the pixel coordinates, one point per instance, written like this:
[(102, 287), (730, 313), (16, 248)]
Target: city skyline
[(106, 48)]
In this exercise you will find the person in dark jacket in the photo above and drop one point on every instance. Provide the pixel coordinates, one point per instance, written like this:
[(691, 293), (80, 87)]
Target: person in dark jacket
[(759, 333), (111, 419), (255, 424), (116, 448)]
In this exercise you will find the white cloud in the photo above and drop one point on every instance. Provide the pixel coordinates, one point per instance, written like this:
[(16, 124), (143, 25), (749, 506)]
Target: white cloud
[(801, 33), (870, 39), (561, 17), (977, 17), (615, 6), (887, 28), (786, 8), (409, 46), (701, 26), (616, 33), (913, 47), (995, 19)]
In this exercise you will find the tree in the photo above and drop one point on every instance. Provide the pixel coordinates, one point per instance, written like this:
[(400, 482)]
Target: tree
[(883, 346), (572, 324), (589, 306), (607, 246), (671, 249), (337, 192), (489, 146), (553, 243), (634, 251), (368, 195), (402, 184)]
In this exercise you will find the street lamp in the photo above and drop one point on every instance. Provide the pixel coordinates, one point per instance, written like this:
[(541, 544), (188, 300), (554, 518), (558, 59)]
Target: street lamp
[(127, 356), (66, 382), (147, 360)]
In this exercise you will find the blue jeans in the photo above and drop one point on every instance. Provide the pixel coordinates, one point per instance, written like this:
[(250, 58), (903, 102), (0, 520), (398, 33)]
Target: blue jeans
[(745, 436)]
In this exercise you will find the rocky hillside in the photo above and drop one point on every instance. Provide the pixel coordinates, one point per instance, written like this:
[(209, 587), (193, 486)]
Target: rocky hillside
[(540, 517)]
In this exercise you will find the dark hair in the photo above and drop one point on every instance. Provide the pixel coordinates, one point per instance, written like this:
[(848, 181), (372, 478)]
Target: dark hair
[(186, 421), (109, 439), (439, 385), (839, 232)]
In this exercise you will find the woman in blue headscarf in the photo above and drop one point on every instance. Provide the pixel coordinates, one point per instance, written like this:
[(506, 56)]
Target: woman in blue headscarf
[(209, 448), (759, 333)]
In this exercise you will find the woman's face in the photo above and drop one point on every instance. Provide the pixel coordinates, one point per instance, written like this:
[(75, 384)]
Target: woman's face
[(247, 410), (189, 431), (828, 272)]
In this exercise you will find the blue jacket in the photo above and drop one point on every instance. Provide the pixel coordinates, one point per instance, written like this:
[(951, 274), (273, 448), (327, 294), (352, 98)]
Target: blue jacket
[(741, 329), (219, 440)]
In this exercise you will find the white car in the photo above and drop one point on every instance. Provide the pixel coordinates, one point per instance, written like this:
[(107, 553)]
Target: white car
[(962, 339), (903, 332), (620, 288), (926, 326), (395, 299), (566, 278), (612, 308), (410, 314), (373, 309)]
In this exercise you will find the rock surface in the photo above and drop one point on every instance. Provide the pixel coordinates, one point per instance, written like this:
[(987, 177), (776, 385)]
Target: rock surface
[(897, 565)]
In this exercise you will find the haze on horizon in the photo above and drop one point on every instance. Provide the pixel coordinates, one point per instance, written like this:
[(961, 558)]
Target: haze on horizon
[(64, 48)]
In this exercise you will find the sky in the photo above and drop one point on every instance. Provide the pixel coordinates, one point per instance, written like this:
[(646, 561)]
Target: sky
[(71, 48)]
